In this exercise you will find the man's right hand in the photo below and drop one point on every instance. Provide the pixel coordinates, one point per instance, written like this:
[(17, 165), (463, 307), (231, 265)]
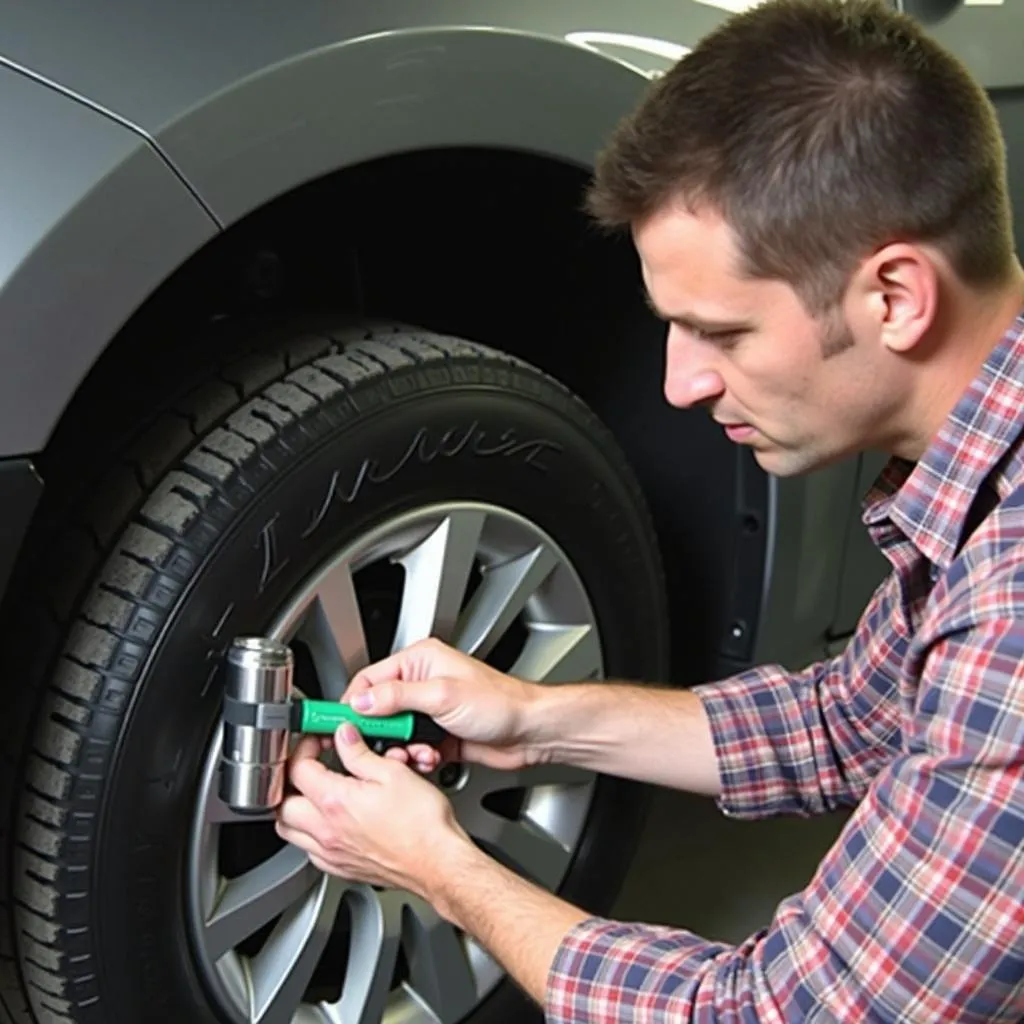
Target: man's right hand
[(484, 710)]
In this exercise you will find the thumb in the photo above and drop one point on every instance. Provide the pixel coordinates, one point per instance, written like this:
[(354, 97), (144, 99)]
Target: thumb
[(356, 757), (392, 697)]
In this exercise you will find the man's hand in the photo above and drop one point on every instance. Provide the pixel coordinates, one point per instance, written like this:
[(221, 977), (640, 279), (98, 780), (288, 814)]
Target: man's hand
[(482, 708), (385, 825), (382, 824)]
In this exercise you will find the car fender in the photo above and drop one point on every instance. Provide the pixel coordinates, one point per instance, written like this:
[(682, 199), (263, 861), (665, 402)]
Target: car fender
[(178, 120), (94, 223), (392, 93)]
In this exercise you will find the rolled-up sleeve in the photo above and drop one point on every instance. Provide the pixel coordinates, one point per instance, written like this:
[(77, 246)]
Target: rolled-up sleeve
[(914, 915)]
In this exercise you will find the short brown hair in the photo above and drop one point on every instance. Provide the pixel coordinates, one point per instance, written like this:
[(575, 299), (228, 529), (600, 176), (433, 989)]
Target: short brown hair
[(819, 130)]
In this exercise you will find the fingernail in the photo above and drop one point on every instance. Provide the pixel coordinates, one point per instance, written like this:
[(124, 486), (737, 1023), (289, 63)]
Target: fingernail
[(349, 733), (362, 701)]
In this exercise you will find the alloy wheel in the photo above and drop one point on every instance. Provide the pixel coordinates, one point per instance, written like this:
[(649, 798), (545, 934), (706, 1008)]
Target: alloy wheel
[(277, 941)]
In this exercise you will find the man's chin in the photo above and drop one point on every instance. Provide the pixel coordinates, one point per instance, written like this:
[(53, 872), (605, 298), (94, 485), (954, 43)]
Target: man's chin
[(782, 462), (775, 458)]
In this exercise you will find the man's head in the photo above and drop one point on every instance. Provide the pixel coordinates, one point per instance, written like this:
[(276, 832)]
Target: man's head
[(812, 181)]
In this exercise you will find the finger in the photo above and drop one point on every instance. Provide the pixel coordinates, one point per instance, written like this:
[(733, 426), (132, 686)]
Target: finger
[(316, 781), (449, 749), (303, 840), (308, 746), (392, 696), (404, 756), (425, 758), (299, 814), (410, 663), (358, 759), (322, 865)]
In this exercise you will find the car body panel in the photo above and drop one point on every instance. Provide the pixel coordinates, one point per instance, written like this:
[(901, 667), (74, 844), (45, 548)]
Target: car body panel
[(810, 517), (153, 64), (235, 106), (250, 107), (98, 222)]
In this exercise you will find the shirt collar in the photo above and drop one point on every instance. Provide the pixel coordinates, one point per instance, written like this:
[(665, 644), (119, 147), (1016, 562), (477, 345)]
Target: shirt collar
[(929, 501)]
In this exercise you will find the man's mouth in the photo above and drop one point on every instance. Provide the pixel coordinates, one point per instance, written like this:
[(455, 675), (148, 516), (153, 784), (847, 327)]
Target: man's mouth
[(736, 431), (739, 432)]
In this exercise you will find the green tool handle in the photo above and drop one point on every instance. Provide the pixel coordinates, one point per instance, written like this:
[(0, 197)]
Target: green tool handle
[(325, 716)]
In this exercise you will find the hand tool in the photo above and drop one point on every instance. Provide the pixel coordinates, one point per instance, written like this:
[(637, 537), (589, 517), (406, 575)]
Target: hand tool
[(261, 713)]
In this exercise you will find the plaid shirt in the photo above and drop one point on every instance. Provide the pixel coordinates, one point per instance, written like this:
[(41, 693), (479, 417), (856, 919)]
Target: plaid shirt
[(917, 912)]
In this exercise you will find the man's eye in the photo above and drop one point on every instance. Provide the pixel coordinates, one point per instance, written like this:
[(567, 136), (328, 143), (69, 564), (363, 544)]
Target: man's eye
[(724, 339)]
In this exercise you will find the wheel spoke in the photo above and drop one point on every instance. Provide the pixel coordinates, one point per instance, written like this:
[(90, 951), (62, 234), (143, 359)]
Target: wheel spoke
[(437, 574), (333, 630), (558, 806), (522, 845), (501, 596), (439, 971), (559, 654), (248, 902), (282, 969), (554, 809), (373, 954)]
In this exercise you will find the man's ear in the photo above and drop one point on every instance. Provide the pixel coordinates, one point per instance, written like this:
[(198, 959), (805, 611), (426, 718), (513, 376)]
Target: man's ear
[(898, 289)]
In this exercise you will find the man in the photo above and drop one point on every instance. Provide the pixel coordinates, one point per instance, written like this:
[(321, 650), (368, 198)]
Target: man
[(818, 200)]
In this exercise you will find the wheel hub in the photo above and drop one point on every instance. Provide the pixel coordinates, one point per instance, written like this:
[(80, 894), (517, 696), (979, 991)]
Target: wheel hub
[(277, 941)]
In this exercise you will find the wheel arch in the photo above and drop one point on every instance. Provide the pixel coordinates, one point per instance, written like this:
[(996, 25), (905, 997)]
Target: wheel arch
[(710, 501), (401, 92), (213, 164)]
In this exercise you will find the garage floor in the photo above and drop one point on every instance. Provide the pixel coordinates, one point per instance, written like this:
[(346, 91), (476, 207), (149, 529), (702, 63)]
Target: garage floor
[(719, 877)]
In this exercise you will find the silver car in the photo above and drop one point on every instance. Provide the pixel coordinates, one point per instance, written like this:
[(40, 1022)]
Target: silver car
[(304, 334)]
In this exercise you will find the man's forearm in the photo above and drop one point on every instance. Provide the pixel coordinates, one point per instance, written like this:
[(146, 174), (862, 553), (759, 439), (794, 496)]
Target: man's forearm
[(653, 734), (519, 924)]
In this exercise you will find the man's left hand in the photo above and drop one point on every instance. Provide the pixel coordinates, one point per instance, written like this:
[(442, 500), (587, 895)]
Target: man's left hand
[(383, 824)]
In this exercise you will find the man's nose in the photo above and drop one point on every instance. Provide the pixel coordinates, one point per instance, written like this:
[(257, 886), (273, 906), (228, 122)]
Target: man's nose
[(690, 377)]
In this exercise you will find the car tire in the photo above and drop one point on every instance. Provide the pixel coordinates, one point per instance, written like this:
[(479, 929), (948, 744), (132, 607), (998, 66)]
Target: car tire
[(213, 515)]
